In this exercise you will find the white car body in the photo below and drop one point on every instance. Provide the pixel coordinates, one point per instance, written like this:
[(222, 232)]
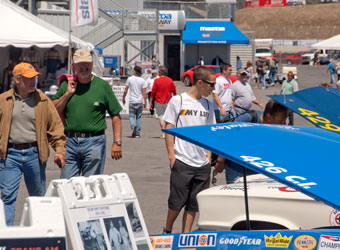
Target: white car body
[(271, 206), (263, 48), (308, 57)]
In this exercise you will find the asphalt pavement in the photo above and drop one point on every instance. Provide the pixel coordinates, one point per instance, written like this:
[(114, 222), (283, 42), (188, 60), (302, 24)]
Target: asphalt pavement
[(145, 158)]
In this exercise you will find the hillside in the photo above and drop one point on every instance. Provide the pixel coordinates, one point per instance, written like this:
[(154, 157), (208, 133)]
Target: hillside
[(317, 21)]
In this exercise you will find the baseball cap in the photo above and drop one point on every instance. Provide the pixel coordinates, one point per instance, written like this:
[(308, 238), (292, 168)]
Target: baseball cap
[(25, 69), (82, 55), (154, 71), (243, 71)]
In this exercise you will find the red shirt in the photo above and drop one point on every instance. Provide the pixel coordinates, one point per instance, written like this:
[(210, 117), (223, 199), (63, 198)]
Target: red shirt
[(162, 89)]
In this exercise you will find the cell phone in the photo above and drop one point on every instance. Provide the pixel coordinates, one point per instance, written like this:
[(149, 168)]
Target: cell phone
[(59, 162)]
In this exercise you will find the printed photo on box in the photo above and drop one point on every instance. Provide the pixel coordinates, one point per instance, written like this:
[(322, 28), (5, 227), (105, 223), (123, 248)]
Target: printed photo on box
[(92, 235), (136, 224), (117, 233)]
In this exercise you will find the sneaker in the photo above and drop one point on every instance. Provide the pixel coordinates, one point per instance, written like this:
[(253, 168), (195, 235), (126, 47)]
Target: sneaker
[(163, 136), (137, 136), (134, 133), (272, 84), (263, 87)]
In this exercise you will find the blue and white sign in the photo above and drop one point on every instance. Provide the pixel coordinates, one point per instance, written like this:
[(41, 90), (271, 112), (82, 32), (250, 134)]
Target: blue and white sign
[(84, 12), (110, 61), (216, 32)]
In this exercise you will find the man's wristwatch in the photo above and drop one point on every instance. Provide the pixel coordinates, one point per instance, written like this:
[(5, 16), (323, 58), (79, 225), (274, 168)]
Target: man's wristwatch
[(119, 143)]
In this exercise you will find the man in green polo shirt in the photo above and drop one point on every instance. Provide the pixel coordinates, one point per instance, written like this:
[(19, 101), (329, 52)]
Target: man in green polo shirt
[(84, 102)]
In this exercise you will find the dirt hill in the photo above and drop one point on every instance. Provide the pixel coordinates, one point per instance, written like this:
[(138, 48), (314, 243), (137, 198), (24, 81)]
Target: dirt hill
[(318, 21)]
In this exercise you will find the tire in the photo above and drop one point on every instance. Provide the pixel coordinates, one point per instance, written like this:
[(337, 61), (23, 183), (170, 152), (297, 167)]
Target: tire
[(187, 81)]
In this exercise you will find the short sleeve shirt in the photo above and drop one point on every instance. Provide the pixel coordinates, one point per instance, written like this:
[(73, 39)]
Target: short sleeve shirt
[(243, 95), (223, 88), (184, 111), (136, 85), (85, 111)]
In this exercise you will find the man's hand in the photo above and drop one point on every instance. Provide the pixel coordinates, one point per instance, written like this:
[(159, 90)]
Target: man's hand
[(172, 161), (223, 112), (71, 87), (61, 159), (261, 105), (220, 166), (123, 100), (116, 151)]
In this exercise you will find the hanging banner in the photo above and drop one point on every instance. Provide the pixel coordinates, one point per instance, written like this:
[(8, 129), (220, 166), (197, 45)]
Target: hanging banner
[(84, 12)]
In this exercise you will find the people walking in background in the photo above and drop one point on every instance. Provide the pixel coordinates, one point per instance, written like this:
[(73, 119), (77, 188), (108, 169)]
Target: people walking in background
[(289, 86), (28, 123), (84, 102), (331, 69), (260, 73), (162, 91), (149, 84), (266, 75), (250, 72), (189, 165), (272, 71), (238, 64), (137, 99), (201, 61), (217, 61), (222, 95)]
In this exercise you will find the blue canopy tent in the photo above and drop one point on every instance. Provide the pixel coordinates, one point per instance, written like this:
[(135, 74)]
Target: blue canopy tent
[(318, 105)]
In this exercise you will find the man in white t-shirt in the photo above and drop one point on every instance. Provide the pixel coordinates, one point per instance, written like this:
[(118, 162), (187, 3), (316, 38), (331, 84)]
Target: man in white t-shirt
[(223, 95), (189, 164), (149, 84), (137, 86)]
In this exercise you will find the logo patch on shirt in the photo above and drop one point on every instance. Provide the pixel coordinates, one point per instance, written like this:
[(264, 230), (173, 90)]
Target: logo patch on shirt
[(194, 112)]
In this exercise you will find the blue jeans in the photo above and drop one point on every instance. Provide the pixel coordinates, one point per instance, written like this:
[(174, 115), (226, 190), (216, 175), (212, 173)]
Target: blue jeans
[(219, 119), (84, 156), (18, 162), (135, 111), (332, 77), (233, 171), (272, 75)]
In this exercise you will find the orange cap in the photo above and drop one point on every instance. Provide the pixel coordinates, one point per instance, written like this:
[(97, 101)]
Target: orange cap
[(25, 69)]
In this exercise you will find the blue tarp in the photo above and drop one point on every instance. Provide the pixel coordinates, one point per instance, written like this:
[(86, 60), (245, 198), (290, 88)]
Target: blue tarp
[(305, 159), (213, 32), (318, 105)]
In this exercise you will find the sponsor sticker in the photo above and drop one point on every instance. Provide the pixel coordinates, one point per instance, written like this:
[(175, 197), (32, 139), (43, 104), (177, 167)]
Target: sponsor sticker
[(162, 242), (328, 242), (334, 218), (287, 189), (305, 242), (239, 241), (277, 241), (197, 240)]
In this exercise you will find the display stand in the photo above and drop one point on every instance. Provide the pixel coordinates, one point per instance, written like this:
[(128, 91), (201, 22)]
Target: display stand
[(41, 227), (101, 211)]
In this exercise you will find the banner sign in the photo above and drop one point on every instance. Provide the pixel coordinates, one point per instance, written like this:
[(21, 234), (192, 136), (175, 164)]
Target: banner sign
[(33, 243), (84, 12), (264, 3), (255, 240)]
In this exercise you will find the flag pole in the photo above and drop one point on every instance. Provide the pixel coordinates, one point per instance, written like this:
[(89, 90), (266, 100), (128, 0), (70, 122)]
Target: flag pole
[(69, 39)]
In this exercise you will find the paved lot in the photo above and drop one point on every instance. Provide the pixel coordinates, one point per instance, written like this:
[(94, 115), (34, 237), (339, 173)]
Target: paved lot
[(145, 159)]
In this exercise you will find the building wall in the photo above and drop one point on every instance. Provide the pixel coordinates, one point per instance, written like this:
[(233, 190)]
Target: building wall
[(245, 52)]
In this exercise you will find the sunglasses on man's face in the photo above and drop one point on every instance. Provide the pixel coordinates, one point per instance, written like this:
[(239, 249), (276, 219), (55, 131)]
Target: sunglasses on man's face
[(212, 84)]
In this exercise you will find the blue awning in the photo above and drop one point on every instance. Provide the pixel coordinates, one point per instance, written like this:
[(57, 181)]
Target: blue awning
[(213, 32)]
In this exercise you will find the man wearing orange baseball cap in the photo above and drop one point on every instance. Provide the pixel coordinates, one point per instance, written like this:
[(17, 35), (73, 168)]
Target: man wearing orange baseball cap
[(84, 102), (29, 122)]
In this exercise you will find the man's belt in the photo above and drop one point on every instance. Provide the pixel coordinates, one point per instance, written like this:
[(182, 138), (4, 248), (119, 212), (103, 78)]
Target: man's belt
[(84, 134), (23, 145)]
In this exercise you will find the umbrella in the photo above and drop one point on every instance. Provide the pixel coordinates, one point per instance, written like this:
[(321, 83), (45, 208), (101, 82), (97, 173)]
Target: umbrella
[(318, 105)]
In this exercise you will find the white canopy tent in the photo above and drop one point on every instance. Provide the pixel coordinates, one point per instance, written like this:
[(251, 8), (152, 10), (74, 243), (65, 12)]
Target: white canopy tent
[(332, 43), (23, 30)]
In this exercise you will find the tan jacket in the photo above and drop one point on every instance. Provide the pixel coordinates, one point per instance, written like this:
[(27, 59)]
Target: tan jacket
[(48, 126)]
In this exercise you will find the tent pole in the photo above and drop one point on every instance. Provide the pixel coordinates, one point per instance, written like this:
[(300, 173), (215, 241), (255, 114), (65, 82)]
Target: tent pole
[(69, 40), (246, 198)]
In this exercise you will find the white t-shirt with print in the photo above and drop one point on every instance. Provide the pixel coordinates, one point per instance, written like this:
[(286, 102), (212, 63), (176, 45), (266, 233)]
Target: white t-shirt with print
[(190, 113), (136, 85), (224, 90)]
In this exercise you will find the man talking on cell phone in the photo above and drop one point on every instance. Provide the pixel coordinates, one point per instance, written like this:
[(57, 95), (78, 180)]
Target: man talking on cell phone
[(84, 102)]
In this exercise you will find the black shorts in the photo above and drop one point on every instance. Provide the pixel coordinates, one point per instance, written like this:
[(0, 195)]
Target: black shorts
[(185, 183)]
